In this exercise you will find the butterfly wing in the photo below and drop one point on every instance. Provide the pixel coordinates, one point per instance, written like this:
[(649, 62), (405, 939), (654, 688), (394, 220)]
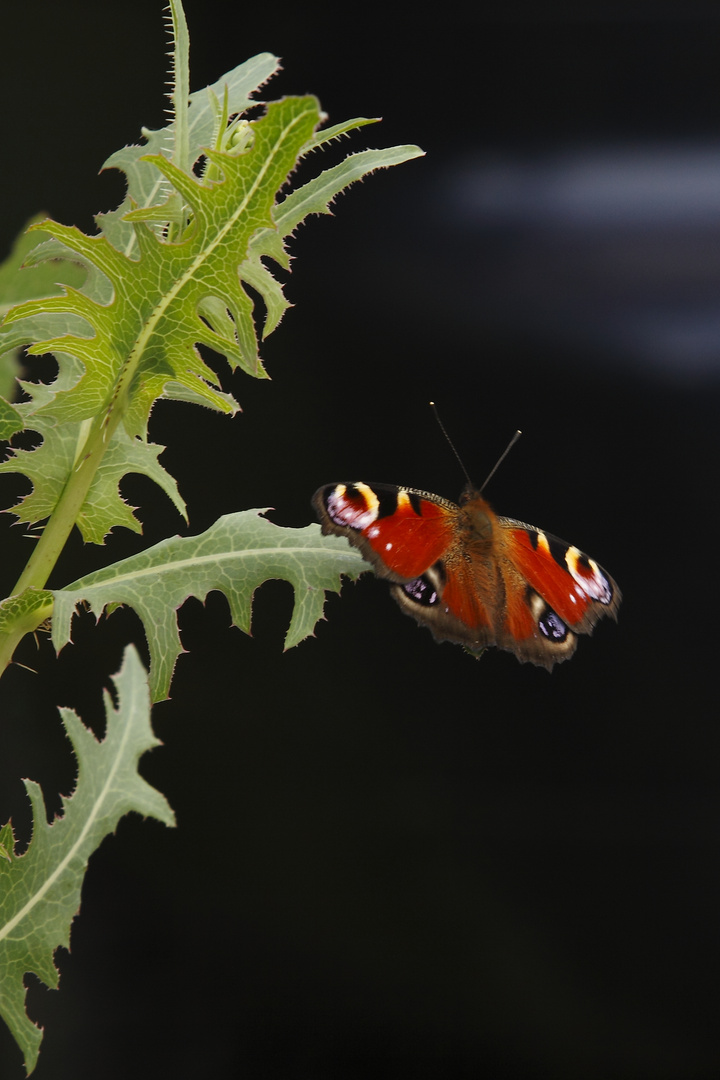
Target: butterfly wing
[(553, 593), (401, 531)]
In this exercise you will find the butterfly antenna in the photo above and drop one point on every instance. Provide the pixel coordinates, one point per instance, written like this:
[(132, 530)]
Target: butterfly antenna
[(451, 444), (502, 457)]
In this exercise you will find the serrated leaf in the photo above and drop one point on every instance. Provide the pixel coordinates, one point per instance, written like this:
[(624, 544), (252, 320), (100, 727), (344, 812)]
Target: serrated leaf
[(236, 555), (334, 132), (316, 196), (40, 890), (152, 294), (21, 279), (149, 333), (49, 465), (145, 185), (10, 419), (7, 846)]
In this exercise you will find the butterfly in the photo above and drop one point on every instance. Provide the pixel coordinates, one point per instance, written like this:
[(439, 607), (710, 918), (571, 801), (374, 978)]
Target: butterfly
[(469, 575)]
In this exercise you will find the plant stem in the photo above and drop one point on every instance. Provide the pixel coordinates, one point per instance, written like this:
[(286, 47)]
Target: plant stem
[(60, 524), (65, 514)]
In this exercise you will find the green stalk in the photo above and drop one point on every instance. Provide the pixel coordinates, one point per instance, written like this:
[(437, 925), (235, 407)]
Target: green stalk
[(65, 514), (60, 524)]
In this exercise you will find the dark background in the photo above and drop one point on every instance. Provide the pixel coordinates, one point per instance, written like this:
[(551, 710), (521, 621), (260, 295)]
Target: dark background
[(390, 858)]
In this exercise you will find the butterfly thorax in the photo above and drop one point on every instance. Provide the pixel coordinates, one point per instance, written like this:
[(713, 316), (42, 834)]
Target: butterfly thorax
[(479, 517)]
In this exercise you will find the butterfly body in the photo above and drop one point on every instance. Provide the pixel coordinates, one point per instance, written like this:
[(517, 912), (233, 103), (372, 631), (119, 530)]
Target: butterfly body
[(469, 575)]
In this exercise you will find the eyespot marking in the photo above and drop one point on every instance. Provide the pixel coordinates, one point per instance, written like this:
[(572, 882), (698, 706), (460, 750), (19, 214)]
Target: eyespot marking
[(421, 590), (590, 578), (352, 506)]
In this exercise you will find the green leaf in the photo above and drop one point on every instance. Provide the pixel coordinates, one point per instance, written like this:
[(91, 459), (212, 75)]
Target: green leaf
[(316, 196), (147, 336), (49, 466), (10, 419), (145, 185), (25, 611), (40, 890), (334, 132), (7, 843), (17, 283), (236, 555), (176, 267)]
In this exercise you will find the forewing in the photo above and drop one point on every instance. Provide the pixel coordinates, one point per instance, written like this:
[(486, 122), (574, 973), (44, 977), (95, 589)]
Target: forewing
[(401, 531)]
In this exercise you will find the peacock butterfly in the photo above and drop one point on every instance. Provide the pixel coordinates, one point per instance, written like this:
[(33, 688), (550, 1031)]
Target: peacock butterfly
[(469, 575)]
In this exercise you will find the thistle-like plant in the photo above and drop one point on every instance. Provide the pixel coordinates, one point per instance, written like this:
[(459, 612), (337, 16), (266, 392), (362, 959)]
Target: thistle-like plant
[(208, 211)]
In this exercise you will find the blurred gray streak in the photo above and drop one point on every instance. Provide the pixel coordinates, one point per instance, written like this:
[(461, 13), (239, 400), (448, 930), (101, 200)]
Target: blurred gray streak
[(609, 250)]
